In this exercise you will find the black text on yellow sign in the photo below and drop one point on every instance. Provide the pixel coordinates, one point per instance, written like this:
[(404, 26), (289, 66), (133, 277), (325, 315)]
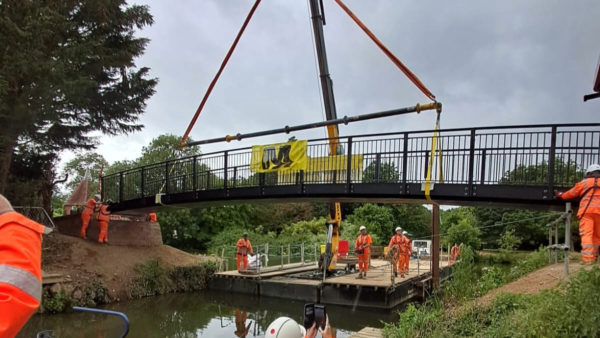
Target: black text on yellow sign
[(279, 156)]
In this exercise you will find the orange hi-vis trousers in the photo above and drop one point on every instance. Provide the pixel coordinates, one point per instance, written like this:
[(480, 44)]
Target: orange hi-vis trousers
[(86, 216), (401, 263), (103, 236), (406, 260), (589, 231), (241, 259), (363, 260)]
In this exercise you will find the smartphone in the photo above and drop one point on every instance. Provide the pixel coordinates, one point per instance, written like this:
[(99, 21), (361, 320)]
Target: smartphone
[(309, 315), (320, 316)]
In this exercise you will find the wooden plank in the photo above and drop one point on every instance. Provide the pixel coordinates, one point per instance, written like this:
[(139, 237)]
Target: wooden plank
[(368, 332), (287, 269), (380, 274)]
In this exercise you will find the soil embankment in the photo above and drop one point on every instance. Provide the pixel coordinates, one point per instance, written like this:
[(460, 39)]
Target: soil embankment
[(101, 273)]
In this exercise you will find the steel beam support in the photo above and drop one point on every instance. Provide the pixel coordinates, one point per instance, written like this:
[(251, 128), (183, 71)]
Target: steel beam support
[(435, 243)]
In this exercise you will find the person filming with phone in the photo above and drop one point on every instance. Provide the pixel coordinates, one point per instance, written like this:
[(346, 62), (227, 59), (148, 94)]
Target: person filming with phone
[(316, 321)]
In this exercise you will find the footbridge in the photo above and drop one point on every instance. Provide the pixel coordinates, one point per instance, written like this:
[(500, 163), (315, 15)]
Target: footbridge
[(500, 165)]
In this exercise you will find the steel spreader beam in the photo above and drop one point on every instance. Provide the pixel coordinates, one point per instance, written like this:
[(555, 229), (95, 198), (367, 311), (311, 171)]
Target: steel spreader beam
[(345, 120)]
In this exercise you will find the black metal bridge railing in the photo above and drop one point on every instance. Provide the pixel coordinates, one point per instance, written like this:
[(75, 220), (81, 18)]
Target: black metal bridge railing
[(549, 156)]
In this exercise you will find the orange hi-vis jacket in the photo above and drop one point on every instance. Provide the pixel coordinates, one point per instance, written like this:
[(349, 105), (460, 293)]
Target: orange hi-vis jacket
[(243, 246), (589, 191), (364, 241), (20, 271), (400, 242), (103, 214), (408, 245)]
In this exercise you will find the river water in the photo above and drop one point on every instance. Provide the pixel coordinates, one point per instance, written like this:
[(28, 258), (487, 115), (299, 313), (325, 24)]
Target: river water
[(204, 314)]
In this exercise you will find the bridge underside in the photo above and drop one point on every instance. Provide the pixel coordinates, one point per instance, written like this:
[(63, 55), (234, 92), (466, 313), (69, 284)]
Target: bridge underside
[(531, 197)]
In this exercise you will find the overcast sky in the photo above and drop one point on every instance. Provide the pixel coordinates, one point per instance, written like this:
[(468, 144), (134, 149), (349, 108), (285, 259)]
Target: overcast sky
[(488, 62)]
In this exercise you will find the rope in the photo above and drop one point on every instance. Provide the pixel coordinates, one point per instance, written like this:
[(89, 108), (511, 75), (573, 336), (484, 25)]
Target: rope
[(415, 80), (216, 78)]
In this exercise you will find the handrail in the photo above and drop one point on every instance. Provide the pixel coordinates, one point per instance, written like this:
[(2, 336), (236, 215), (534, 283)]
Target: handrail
[(107, 312), (473, 157)]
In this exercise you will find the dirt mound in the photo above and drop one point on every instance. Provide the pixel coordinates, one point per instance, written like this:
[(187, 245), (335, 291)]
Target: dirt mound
[(84, 261), (532, 283)]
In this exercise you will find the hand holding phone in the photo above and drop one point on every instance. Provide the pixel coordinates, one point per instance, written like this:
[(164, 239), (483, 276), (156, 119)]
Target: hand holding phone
[(309, 315), (320, 315)]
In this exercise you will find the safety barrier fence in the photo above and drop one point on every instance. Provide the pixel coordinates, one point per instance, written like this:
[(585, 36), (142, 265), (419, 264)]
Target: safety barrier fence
[(272, 257), (552, 156)]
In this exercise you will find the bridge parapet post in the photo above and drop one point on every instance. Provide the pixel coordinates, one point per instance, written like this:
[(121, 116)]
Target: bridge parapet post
[(349, 164), (167, 177), (405, 164), (120, 186), (471, 162), (551, 156), (195, 173), (225, 168)]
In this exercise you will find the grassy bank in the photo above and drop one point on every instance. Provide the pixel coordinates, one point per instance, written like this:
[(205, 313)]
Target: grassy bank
[(572, 310), (149, 279)]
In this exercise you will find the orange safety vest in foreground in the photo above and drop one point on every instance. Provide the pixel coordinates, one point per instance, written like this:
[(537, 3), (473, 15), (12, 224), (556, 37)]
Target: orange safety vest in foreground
[(20, 271), (589, 191)]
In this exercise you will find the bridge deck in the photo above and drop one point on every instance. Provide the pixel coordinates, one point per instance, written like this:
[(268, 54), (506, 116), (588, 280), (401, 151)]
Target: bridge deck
[(515, 165)]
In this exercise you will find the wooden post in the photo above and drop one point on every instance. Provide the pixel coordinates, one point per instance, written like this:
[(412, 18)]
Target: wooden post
[(435, 243), (281, 257), (289, 252), (302, 253)]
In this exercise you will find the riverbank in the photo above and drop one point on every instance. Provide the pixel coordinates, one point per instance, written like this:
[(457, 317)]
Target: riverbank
[(538, 303), (85, 273)]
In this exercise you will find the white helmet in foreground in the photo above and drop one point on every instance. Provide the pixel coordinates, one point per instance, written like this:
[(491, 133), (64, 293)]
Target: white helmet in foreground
[(405, 232), (285, 327), (592, 168), (398, 229), (362, 227)]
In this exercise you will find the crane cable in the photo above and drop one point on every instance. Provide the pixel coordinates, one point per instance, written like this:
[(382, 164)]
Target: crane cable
[(411, 76), (210, 88), (216, 78)]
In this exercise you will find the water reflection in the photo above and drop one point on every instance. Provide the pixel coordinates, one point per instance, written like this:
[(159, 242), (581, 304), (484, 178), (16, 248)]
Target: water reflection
[(207, 314)]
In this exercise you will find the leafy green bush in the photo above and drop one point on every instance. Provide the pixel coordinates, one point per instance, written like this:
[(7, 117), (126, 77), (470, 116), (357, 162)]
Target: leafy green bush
[(532, 262), (417, 321), (56, 302)]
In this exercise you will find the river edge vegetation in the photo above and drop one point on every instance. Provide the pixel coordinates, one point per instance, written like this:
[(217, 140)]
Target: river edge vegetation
[(150, 279), (571, 309)]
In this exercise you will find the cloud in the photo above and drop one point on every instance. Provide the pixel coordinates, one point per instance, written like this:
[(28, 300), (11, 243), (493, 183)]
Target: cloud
[(490, 63)]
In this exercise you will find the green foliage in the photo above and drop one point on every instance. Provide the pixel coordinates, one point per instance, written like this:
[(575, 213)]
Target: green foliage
[(77, 167), (378, 220), (385, 173), (464, 276), (509, 241), (465, 232), (165, 147), (532, 262), (491, 278), (154, 279), (416, 321), (67, 71), (56, 302)]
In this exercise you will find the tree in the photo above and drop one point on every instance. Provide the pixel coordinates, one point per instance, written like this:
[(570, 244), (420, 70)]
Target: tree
[(508, 240), (66, 70), (76, 169), (464, 232), (414, 218), (382, 173), (378, 220)]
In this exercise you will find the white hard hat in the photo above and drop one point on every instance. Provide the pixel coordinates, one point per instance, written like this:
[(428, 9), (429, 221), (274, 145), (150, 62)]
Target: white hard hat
[(362, 227), (398, 229), (97, 196), (285, 327), (404, 232), (592, 168)]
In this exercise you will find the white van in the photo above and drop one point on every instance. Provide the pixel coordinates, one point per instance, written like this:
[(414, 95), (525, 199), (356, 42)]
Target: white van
[(421, 247)]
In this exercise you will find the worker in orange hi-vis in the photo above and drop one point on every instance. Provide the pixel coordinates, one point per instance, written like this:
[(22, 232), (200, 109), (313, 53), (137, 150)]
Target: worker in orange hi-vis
[(20, 268), (408, 249), (362, 248), (243, 247), (87, 213), (454, 253), (103, 218), (589, 212), (397, 243)]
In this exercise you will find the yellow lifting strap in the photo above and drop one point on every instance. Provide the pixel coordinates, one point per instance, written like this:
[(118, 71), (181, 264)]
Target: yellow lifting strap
[(435, 146)]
